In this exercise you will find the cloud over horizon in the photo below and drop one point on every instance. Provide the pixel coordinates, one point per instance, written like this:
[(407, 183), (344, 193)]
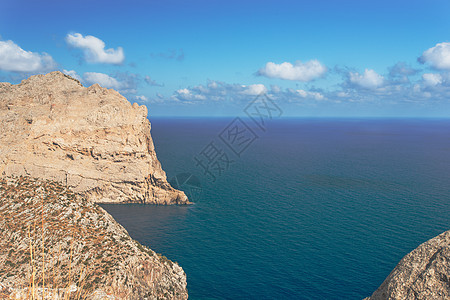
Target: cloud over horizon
[(402, 71), (254, 89), (400, 84), (368, 80), (94, 49), (239, 94), (305, 72), (310, 94), (438, 56), (215, 91), (432, 79)]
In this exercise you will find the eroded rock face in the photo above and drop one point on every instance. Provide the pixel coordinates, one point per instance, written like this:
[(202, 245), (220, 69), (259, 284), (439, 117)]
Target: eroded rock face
[(424, 273), (55, 244), (89, 139)]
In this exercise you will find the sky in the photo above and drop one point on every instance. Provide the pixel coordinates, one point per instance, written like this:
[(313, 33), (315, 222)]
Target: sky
[(211, 58)]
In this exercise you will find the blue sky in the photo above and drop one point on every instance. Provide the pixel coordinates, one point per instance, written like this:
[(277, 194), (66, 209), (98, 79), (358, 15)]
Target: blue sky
[(210, 58)]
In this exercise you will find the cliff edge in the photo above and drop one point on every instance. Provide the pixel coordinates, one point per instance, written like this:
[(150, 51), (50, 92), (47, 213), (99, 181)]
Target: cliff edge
[(91, 140), (424, 273)]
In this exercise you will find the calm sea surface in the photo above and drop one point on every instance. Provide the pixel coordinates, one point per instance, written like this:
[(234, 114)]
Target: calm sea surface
[(312, 208)]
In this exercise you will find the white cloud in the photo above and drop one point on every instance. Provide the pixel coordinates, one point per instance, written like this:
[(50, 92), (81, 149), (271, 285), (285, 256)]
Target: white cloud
[(437, 56), (186, 95), (15, 59), (302, 93), (103, 80), (141, 98), (72, 74), (124, 83), (239, 93), (307, 71), (184, 92), (254, 89), (369, 80), (432, 79), (212, 85), (94, 49), (367, 87), (307, 94)]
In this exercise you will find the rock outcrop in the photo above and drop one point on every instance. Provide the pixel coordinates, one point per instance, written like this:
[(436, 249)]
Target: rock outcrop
[(55, 244), (424, 273), (89, 139)]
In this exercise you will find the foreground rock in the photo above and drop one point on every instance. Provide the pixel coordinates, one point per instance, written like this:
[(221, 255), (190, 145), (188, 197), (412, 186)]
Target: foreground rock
[(89, 139), (85, 253), (422, 274)]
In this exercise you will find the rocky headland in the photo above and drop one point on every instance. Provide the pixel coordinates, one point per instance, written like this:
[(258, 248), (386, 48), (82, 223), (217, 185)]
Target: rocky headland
[(89, 139), (63, 149), (424, 273)]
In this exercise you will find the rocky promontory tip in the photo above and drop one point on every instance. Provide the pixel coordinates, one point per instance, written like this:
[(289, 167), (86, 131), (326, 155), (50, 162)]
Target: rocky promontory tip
[(90, 139), (424, 273)]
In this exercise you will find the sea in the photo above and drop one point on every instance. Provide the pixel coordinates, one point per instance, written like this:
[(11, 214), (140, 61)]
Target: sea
[(299, 208)]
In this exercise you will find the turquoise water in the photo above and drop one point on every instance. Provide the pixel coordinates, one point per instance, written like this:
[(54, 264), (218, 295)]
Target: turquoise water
[(312, 209)]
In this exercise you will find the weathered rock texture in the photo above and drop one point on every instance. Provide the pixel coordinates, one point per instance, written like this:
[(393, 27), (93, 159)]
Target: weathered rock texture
[(89, 139), (424, 273), (85, 253)]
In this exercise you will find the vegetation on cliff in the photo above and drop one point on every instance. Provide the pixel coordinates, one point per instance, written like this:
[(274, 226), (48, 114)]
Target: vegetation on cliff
[(58, 243)]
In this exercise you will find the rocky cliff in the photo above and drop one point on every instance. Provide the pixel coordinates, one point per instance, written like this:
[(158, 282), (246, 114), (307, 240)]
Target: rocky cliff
[(89, 139), (424, 273), (55, 244)]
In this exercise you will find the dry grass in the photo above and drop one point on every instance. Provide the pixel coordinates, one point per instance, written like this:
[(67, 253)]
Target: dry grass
[(50, 269), (53, 240), (54, 285)]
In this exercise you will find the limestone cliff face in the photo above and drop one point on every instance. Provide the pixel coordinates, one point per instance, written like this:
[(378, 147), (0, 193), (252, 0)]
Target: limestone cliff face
[(424, 273), (89, 139)]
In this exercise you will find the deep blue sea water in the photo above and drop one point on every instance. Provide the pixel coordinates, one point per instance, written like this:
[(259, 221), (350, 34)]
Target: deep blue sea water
[(312, 209)]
